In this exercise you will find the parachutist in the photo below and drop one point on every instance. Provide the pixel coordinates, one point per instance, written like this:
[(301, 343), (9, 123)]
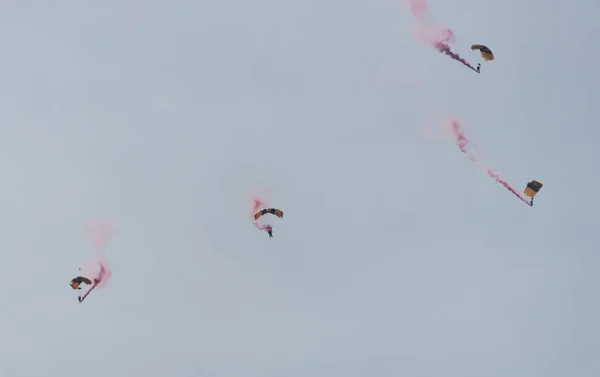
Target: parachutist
[(262, 212), (79, 280), (532, 189), (478, 68)]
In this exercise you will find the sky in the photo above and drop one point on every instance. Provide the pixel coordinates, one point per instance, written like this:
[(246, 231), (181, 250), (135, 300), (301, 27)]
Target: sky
[(396, 255)]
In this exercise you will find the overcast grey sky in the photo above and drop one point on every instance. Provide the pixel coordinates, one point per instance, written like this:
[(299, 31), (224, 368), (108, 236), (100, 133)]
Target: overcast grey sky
[(396, 256)]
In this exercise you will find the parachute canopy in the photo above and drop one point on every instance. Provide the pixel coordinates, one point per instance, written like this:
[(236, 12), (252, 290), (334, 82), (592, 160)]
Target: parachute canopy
[(272, 211), (486, 53), (75, 283), (533, 188)]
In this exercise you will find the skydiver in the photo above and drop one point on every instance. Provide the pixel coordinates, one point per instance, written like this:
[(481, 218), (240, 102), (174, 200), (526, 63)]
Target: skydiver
[(269, 230), (76, 282), (478, 67), (531, 203)]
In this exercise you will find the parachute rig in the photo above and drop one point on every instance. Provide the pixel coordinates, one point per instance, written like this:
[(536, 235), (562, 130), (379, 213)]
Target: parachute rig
[(76, 282), (268, 228), (532, 189), (486, 54)]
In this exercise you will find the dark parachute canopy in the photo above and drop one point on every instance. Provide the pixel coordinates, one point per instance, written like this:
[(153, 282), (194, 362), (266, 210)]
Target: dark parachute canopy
[(486, 53), (76, 282), (272, 211), (533, 188)]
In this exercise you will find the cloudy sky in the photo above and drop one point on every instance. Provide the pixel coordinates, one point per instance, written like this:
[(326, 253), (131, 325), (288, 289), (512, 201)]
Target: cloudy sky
[(396, 256)]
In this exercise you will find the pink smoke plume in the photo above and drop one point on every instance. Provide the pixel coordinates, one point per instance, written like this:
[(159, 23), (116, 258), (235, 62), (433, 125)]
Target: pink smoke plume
[(256, 205), (100, 277), (100, 232), (418, 8), (445, 49), (98, 272), (439, 37), (463, 143)]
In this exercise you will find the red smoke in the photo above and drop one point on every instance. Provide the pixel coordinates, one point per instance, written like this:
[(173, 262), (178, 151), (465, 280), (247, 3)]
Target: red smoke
[(98, 272), (418, 8), (463, 143), (258, 204), (439, 37), (100, 233), (100, 278), (445, 49)]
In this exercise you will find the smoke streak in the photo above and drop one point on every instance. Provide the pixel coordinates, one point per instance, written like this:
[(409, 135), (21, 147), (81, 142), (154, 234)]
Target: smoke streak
[(438, 37), (418, 8), (100, 278), (100, 233), (256, 205), (445, 49), (463, 143), (98, 272)]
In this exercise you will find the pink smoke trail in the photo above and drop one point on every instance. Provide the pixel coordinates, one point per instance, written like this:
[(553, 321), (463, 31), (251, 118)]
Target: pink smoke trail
[(100, 279), (439, 38), (98, 272), (445, 49), (100, 232), (463, 143), (256, 205), (418, 8)]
